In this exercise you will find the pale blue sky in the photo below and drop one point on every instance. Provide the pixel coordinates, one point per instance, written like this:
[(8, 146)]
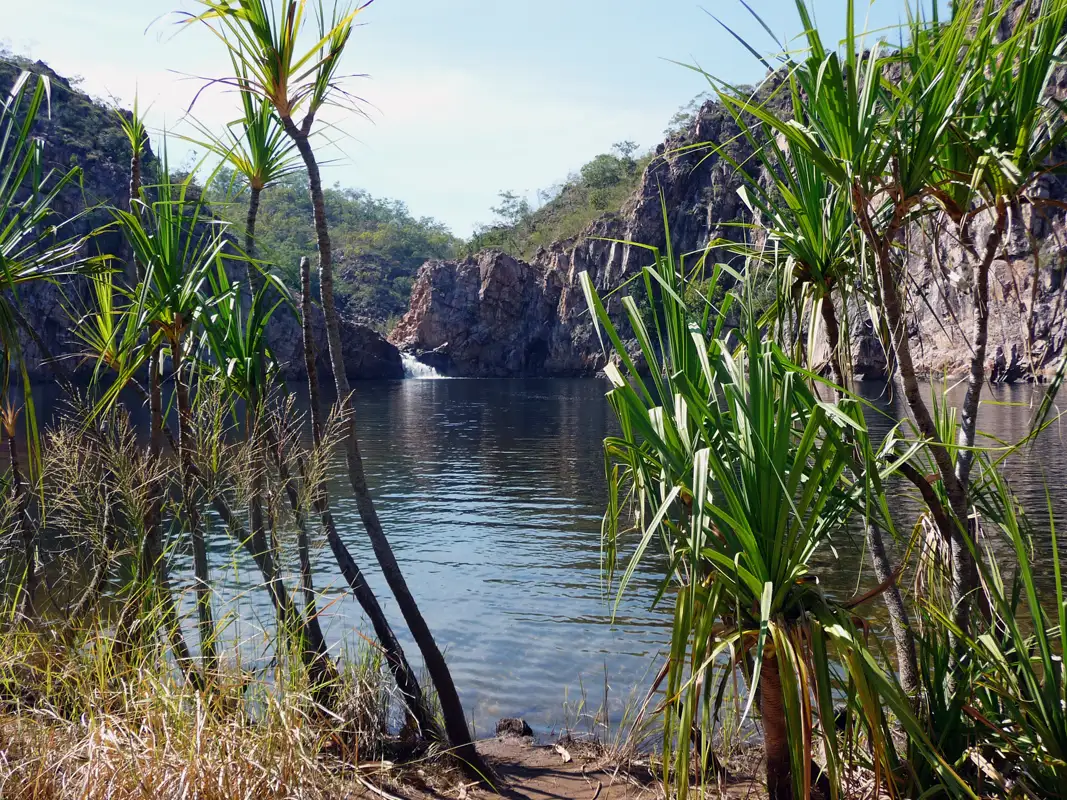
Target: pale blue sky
[(465, 97)]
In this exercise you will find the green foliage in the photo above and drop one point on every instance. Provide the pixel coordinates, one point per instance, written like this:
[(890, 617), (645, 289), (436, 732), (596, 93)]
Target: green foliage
[(725, 444), (683, 118), (729, 459), (600, 186), (379, 245)]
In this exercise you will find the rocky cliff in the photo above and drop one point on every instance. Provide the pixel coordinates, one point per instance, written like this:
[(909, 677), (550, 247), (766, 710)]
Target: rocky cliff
[(82, 132), (495, 315)]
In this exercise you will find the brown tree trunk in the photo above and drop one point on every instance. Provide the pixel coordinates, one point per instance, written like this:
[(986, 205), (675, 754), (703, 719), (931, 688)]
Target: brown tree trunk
[(153, 560), (775, 731), (452, 709), (303, 543), (255, 280), (979, 342), (899, 623), (313, 646), (201, 573), (964, 568)]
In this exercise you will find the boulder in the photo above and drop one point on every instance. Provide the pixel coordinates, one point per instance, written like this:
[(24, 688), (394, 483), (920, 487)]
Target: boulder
[(367, 354), (513, 728)]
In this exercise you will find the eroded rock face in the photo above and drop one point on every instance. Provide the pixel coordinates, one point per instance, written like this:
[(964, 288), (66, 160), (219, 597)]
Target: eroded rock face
[(368, 356), (495, 315)]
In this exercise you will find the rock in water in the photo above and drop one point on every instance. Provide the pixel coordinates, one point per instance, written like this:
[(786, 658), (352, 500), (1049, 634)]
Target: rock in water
[(512, 727)]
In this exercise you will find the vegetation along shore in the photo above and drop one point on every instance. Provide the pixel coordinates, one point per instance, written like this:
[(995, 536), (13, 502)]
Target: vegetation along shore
[(834, 591)]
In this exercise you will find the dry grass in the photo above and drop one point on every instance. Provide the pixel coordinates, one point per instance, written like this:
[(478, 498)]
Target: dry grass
[(76, 722)]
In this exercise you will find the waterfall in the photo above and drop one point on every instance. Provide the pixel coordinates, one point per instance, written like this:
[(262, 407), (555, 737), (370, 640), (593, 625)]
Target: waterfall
[(415, 369)]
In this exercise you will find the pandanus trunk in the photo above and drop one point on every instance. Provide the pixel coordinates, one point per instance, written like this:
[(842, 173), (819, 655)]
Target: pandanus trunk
[(265, 553), (24, 528), (964, 568), (775, 731), (394, 653), (255, 280), (153, 564), (451, 707), (899, 622), (979, 342), (313, 646), (316, 642), (192, 513)]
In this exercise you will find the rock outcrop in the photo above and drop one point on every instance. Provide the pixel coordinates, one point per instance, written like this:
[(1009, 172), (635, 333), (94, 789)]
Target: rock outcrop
[(495, 315), (367, 354)]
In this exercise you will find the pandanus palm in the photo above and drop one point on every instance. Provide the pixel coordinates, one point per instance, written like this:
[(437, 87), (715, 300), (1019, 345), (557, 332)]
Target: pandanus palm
[(812, 245), (176, 245), (264, 37), (875, 127), (730, 459), (260, 152)]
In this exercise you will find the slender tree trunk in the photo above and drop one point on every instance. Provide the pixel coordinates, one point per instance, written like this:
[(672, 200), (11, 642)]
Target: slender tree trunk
[(394, 653), (303, 542), (24, 529), (979, 342), (899, 623), (452, 709), (261, 548), (313, 646), (255, 280), (964, 568), (775, 731), (201, 573), (98, 578), (153, 559)]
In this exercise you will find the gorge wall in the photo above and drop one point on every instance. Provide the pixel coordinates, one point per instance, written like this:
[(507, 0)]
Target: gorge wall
[(495, 315)]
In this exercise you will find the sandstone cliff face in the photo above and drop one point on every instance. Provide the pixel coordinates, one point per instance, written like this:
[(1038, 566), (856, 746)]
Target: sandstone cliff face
[(367, 355), (495, 315), (82, 132)]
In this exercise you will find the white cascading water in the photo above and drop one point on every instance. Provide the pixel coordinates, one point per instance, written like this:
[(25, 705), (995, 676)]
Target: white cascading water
[(415, 369)]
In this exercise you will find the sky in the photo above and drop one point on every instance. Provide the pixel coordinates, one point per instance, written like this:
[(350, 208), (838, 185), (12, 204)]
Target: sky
[(462, 98)]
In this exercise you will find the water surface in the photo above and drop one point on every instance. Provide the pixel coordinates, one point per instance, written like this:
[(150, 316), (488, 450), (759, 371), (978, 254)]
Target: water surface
[(491, 493)]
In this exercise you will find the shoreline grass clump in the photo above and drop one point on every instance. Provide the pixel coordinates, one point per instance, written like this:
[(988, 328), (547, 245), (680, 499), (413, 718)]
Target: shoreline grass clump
[(79, 718)]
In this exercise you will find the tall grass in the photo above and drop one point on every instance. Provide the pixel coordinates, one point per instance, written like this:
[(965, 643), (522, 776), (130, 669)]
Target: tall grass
[(81, 720)]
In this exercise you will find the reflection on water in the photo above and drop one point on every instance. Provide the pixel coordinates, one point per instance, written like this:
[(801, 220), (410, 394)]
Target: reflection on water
[(491, 493)]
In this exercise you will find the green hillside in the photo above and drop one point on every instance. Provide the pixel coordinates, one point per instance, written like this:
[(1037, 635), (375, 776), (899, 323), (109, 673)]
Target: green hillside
[(599, 187), (378, 244)]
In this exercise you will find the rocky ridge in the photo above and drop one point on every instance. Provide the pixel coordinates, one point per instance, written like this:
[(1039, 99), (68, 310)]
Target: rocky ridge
[(495, 315)]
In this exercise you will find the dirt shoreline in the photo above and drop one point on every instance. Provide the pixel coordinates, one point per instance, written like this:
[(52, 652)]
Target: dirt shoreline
[(528, 770)]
